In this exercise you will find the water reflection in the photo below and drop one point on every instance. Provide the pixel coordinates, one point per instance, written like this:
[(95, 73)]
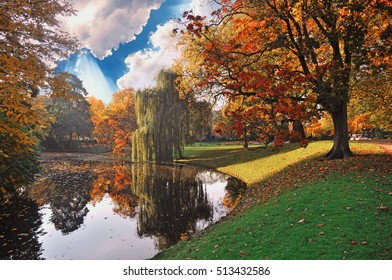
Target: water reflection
[(20, 227), (171, 201), (111, 211)]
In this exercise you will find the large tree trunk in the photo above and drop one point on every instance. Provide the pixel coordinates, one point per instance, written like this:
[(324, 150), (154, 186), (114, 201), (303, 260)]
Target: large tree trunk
[(341, 148)]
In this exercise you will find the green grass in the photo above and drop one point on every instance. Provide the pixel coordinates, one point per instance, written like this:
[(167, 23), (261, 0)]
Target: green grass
[(254, 166), (302, 209)]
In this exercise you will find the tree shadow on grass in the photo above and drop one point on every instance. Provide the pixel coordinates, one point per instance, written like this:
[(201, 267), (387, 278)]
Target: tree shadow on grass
[(224, 155), (256, 166)]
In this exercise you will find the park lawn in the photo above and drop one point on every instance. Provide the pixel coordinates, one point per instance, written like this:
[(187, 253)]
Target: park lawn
[(306, 209), (255, 166)]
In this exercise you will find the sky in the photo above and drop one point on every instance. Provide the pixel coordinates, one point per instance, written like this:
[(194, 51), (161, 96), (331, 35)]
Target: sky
[(124, 42)]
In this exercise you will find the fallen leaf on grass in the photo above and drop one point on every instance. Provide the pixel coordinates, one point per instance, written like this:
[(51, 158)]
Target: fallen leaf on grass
[(364, 242), (301, 221), (353, 242), (243, 253), (383, 208)]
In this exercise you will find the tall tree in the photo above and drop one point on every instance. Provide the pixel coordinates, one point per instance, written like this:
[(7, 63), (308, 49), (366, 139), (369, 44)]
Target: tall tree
[(122, 119), (100, 119), (30, 38), (114, 124), (301, 48), (159, 112)]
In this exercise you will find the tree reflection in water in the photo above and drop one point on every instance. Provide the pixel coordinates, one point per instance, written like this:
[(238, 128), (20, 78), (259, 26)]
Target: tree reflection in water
[(168, 202), (116, 182), (171, 201), (67, 194)]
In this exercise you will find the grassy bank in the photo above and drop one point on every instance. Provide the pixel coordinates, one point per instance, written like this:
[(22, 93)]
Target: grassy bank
[(297, 207)]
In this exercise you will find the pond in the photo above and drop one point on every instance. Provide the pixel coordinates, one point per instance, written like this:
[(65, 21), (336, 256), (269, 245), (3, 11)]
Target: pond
[(93, 210)]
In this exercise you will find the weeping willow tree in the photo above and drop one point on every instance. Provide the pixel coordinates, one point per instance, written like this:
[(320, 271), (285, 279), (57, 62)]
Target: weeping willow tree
[(159, 112)]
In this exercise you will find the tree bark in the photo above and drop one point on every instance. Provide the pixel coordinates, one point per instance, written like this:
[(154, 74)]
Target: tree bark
[(341, 147), (246, 137)]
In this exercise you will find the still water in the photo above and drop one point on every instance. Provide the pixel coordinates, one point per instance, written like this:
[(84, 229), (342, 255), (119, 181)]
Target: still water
[(111, 210)]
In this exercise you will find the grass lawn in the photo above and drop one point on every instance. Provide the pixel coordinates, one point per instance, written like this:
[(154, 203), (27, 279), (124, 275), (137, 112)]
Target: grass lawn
[(297, 207)]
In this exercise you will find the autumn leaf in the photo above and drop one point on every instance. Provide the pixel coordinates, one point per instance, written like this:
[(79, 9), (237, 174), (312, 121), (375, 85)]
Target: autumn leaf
[(383, 208), (301, 221)]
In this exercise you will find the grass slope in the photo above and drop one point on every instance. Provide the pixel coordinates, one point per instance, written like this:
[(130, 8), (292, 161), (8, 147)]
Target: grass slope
[(301, 208)]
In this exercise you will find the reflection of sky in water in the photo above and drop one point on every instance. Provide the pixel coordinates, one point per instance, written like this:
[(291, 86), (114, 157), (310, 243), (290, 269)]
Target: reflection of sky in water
[(216, 184), (107, 235), (103, 235)]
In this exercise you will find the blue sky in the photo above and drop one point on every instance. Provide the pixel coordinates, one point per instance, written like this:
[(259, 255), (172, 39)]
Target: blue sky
[(125, 42)]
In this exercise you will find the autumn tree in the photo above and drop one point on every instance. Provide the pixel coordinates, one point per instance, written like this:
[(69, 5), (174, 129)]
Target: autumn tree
[(30, 38), (115, 123), (122, 119), (297, 51), (100, 119), (371, 98), (259, 97)]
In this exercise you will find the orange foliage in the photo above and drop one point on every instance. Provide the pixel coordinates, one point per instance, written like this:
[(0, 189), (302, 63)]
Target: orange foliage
[(115, 123), (359, 123)]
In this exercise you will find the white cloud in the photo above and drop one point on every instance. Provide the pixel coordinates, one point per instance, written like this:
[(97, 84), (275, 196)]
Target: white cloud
[(202, 7), (143, 65), (102, 25)]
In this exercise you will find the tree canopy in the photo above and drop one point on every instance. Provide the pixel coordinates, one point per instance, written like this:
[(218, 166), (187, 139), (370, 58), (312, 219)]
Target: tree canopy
[(30, 40), (292, 57)]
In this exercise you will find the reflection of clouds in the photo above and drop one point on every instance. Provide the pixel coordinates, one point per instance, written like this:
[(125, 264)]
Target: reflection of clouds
[(211, 177), (123, 211)]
